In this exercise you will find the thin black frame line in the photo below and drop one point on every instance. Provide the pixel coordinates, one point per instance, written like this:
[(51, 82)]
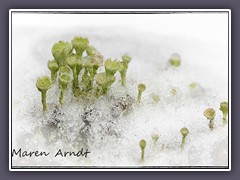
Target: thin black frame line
[(94, 166), (85, 167), (228, 89), (116, 12), (11, 91)]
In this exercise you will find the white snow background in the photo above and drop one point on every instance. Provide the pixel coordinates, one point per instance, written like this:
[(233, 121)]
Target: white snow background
[(200, 38)]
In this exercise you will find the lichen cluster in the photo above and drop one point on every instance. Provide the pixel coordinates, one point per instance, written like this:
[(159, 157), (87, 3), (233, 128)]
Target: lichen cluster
[(77, 63)]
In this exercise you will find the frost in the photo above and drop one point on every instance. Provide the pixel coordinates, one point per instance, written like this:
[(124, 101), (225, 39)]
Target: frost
[(112, 126)]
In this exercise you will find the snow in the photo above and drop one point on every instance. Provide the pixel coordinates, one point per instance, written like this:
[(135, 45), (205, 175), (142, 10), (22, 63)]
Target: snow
[(113, 137)]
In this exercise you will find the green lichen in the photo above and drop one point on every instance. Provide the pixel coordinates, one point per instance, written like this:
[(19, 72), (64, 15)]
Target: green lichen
[(123, 67), (63, 81), (175, 60), (43, 84), (74, 62), (104, 82), (91, 50), (184, 131), (193, 85), (209, 113), (155, 138), (141, 88), (111, 67), (64, 70), (156, 98), (61, 51), (80, 62), (224, 109), (53, 67), (142, 145), (80, 44)]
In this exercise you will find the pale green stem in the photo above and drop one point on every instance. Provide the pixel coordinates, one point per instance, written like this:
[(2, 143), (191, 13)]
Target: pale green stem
[(123, 77), (183, 142), (53, 75), (139, 96), (75, 86), (44, 94), (80, 54), (104, 89), (142, 155), (61, 96)]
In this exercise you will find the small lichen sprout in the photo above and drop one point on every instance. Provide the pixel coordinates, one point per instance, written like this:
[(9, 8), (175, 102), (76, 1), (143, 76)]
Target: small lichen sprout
[(142, 145), (224, 109), (175, 60), (141, 88), (123, 67), (156, 98), (209, 113), (184, 131), (155, 138), (193, 85), (63, 81), (43, 84), (53, 67)]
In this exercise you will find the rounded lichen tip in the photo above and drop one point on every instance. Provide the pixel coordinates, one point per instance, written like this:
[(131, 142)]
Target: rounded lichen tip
[(101, 78), (126, 58), (61, 51), (209, 113), (111, 66), (43, 83), (72, 61), (224, 107), (175, 60), (64, 79), (184, 131), (141, 87), (64, 70), (53, 65), (142, 144)]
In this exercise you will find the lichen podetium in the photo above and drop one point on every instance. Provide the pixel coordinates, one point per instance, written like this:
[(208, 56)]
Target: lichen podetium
[(43, 84)]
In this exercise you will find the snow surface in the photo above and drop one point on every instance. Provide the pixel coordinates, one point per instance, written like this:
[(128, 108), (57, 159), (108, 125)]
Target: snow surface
[(113, 140)]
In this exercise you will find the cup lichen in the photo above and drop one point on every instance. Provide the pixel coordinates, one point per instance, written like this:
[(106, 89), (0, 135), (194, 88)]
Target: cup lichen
[(74, 62), (155, 138), (224, 109), (175, 60), (70, 58), (80, 44), (142, 145), (43, 84), (53, 67), (141, 88), (210, 113), (63, 81), (184, 131), (111, 67), (123, 67), (61, 51)]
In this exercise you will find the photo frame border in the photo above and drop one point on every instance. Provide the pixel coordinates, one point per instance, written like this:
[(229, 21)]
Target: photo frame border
[(120, 168)]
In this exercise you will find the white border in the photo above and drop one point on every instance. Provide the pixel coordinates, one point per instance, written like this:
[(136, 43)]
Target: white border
[(123, 10)]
